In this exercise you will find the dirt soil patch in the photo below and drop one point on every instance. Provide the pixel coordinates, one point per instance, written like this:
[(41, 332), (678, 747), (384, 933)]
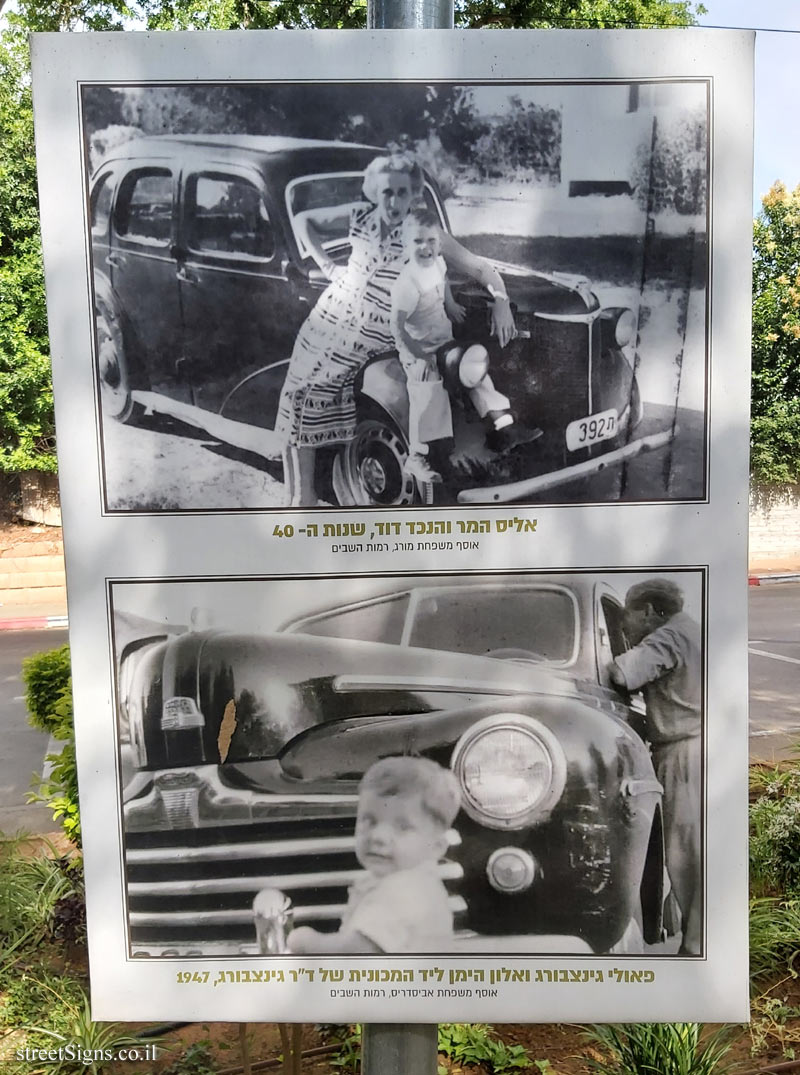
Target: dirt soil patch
[(767, 1042), (29, 539)]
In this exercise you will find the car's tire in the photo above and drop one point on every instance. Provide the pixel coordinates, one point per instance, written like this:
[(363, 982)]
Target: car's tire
[(116, 399), (368, 470)]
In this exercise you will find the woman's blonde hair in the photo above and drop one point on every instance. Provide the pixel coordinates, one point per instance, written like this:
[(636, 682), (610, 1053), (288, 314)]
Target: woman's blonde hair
[(391, 162)]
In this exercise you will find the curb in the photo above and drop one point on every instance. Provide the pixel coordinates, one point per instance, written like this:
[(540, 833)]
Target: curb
[(33, 623), (766, 580)]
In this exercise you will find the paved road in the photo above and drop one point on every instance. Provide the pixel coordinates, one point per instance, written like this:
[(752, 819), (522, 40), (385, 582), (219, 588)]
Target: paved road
[(24, 748), (774, 699), (774, 670)]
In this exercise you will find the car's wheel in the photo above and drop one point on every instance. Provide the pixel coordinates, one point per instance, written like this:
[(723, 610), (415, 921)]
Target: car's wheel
[(369, 469), (115, 390)]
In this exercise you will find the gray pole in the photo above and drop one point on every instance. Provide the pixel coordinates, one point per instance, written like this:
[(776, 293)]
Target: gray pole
[(403, 1048), (410, 14)]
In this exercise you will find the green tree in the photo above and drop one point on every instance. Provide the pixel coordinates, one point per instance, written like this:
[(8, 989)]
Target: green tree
[(252, 14), (775, 423), (26, 398)]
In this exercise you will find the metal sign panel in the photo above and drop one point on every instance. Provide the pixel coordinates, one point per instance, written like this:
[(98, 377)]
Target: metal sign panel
[(401, 385)]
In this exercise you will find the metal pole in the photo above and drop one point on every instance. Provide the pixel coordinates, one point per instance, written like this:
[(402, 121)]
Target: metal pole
[(399, 1049), (410, 14), (403, 1048)]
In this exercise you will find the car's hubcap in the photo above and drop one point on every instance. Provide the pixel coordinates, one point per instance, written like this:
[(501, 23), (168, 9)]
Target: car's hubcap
[(373, 476), (376, 458)]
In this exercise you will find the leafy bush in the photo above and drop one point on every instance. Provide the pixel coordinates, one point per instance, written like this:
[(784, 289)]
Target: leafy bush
[(657, 1049), (48, 696), (48, 691), (774, 937), (91, 1042), (59, 791), (31, 887), (476, 1043), (197, 1060), (462, 1043), (775, 838)]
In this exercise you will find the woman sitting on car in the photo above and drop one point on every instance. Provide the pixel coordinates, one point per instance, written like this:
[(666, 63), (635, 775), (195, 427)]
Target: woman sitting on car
[(351, 320)]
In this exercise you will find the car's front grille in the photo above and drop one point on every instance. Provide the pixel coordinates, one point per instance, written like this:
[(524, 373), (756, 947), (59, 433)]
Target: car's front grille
[(562, 353), (191, 891)]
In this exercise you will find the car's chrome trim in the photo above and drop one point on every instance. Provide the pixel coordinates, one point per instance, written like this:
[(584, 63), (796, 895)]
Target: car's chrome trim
[(264, 442), (576, 319), (232, 918), (447, 871), (233, 852), (503, 494), (330, 845), (209, 802), (345, 684)]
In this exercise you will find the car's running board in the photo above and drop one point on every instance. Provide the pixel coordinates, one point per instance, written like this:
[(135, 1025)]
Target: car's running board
[(503, 494), (264, 442)]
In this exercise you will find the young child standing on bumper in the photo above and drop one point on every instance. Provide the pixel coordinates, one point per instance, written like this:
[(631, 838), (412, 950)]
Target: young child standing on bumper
[(405, 807), (423, 314)]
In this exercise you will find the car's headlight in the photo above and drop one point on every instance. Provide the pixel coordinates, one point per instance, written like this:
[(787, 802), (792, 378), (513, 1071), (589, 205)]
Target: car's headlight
[(619, 323), (512, 770), (625, 328)]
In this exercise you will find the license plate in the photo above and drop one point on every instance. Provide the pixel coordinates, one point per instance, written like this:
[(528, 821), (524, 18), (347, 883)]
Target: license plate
[(591, 430)]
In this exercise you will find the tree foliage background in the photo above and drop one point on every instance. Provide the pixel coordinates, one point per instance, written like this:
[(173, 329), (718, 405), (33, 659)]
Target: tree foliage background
[(26, 416), (775, 421)]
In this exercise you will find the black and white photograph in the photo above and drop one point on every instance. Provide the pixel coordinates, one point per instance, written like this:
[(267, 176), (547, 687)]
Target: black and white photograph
[(350, 294), (475, 763)]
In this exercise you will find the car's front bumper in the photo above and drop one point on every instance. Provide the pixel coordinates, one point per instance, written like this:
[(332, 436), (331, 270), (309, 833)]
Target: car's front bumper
[(519, 490)]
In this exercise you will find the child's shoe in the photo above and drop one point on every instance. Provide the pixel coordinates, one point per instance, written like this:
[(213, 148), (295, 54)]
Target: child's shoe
[(511, 436), (417, 466)]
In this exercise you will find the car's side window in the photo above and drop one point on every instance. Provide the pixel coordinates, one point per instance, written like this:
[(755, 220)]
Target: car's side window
[(144, 207), (226, 214), (612, 634), (100, 208), (371, 621)]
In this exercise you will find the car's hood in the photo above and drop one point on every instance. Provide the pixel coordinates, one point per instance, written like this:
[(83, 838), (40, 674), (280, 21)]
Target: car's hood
[(270, 689), (542, 292)]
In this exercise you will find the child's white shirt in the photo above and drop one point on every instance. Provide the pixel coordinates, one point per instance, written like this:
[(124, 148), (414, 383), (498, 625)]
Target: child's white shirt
[(405, 911), (419, 293)]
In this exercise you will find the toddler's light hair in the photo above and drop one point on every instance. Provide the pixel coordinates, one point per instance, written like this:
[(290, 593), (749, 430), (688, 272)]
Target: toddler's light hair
[(391, 162), (422, 215), (436, 787)]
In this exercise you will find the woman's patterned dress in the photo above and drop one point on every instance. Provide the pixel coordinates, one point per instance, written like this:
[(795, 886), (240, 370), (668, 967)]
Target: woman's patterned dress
[(349, 323)]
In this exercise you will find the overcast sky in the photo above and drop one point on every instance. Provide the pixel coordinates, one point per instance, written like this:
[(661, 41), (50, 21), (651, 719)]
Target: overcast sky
[(777, 146)]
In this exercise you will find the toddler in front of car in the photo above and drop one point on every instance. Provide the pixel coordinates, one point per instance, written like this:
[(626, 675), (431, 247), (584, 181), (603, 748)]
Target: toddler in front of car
[(405, 807), (423, 314)]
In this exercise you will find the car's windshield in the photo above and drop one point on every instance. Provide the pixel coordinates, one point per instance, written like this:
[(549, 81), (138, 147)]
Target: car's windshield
[(328, 200), (526, 622)]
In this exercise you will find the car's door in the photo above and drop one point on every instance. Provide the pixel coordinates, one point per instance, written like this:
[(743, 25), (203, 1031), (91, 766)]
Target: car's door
[(141, 266), (240, 312), (610, 642)]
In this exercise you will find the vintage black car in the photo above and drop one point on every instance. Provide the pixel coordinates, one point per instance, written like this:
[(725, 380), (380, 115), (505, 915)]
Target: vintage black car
[(202, 280), (242, 753)]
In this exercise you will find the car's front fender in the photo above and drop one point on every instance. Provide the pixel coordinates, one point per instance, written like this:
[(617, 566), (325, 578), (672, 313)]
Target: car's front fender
[(384, 383)]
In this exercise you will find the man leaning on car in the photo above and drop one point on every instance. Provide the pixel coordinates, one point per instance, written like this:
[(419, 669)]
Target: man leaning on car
[(665, 663)]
